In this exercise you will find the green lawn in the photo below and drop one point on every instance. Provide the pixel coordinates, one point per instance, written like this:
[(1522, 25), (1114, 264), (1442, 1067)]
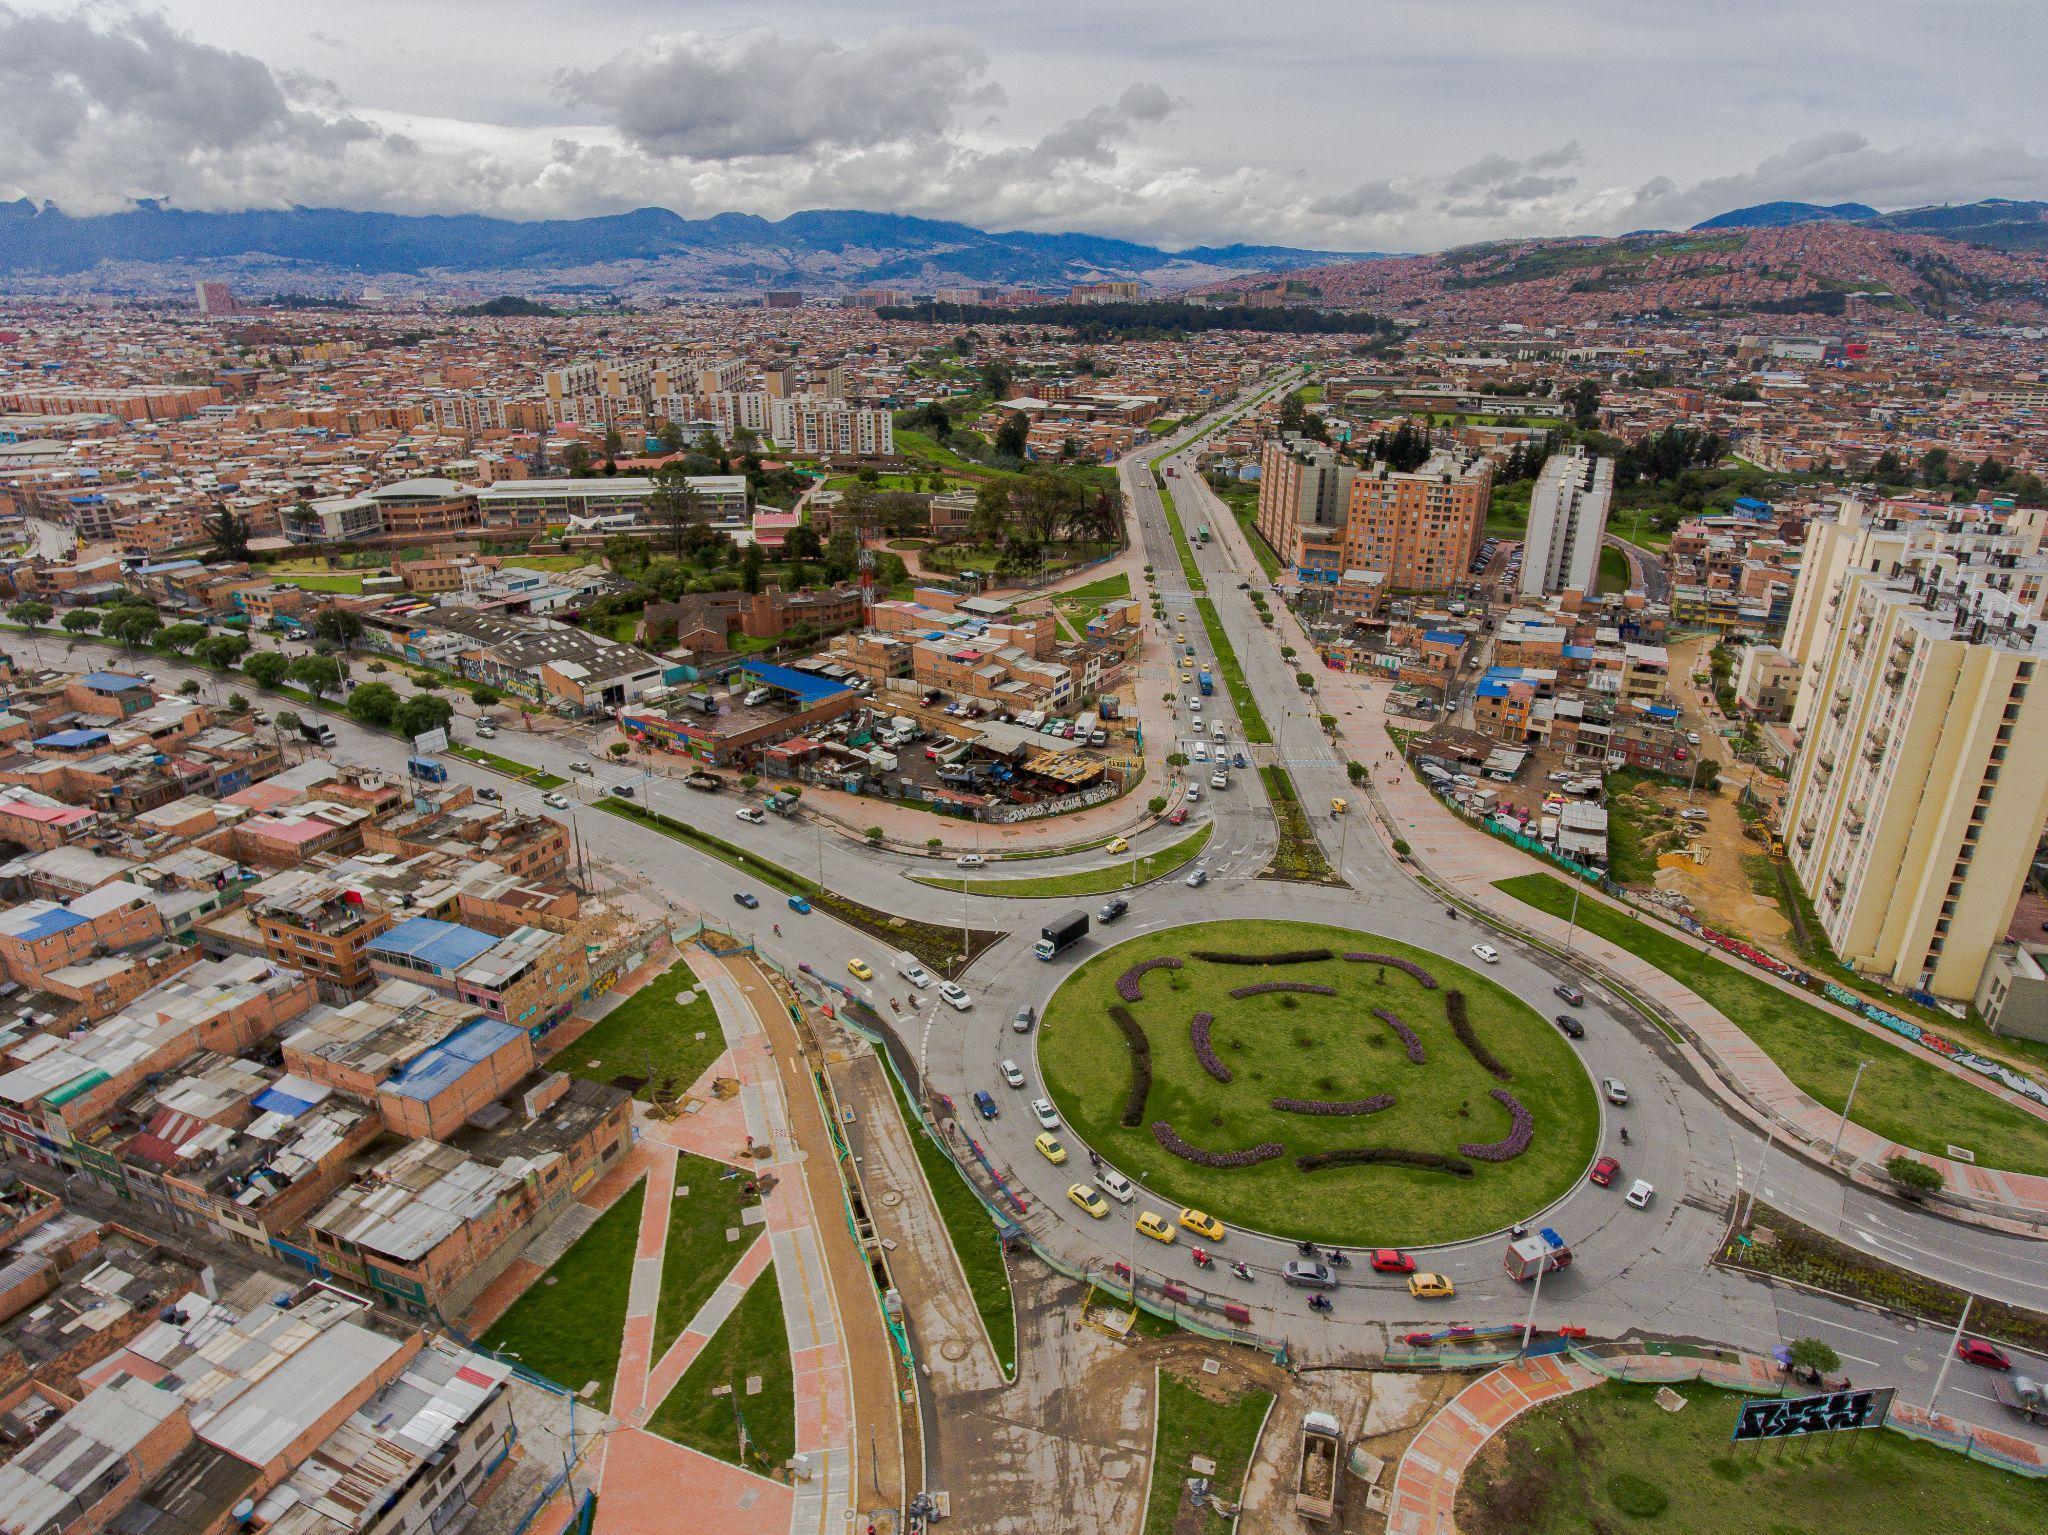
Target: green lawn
[(1255, 728), (334, 582), (1090, 881), (570, 1330), (1243, 501), (1190, 1423), (1580, 1463), (697, 1256), (649, 1036), (1907, 1099), (505, 765), (1299, 855), (554, 562), (1320, 1048), (1614, 572), (972, 1232), (1084, 602), (1188, 567), (752, 1342)]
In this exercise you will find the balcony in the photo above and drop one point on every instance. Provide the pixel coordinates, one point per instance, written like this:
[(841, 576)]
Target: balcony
[(1894, 675), (1827, 761)]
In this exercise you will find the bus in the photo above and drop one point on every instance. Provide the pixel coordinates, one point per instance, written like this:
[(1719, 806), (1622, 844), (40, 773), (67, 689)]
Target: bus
[(1202, 533)]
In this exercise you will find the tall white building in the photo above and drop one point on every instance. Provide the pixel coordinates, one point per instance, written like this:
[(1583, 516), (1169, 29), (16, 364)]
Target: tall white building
[(1567, 518)]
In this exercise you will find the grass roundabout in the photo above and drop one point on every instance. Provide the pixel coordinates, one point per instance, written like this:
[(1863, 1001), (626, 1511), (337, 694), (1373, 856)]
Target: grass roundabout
[(1321, 1097)]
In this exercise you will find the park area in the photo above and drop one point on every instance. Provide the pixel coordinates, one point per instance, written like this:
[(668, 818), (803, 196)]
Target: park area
[(650, 1043), (1613, 1459), (1317, 1082)]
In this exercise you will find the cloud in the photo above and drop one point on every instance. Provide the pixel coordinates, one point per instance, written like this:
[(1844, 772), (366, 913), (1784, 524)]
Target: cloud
[(1365, 200), (699, 96), (1146, 103)]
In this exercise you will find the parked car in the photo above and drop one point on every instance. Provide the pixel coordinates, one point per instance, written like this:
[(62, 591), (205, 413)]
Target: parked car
[(984, 1104), (1694, 814), (1024, 1017), (1572, 1027), (1012, 1073), (1487, 952), (1640, 1193), (746, 898), (1570, 993), (1614, 1089), (1391, 1260), (1604, 1172), (1048, 1116), (1088, 1199), (1977, 1351), (1307, 1274), (955, 997)]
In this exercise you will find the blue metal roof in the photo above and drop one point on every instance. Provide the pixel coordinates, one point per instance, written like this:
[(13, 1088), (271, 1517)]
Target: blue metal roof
[(63, 740), (1443, 636), (440, 946), (112, 682), (807, 688), (1493, 687), (274, 1100), (435, 1070), (43, 924)]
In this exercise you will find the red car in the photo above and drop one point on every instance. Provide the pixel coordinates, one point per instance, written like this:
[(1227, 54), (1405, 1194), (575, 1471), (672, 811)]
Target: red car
[(1178, 817), (1604, 1171), (1977, 1351), (1391, 1260)]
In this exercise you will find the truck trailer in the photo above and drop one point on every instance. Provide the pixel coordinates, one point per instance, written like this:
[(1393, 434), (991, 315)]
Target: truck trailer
[(1315, 1479), (1063, 934)]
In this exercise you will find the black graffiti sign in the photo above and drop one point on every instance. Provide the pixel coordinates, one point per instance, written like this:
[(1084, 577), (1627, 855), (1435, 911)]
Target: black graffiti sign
[(1828, 1413)]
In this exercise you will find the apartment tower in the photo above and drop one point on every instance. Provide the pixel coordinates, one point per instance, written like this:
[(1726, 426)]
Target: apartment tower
[(1567, 518)]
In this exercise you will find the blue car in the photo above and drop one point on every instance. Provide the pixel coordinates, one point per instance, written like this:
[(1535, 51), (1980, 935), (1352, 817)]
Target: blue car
[(985, 1105), (799, 905)]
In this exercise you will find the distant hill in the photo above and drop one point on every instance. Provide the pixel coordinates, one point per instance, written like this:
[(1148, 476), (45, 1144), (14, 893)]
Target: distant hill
[(824, 249), (1777, 215)]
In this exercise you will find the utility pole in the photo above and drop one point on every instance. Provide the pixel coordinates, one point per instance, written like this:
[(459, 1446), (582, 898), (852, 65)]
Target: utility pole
[(1948, 1359), (1847, 1104), (1572, 927), (1529, 1326)]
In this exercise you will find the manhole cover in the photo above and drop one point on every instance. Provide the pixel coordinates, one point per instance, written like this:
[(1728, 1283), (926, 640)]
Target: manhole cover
[(685, 998), (953, 1350), (891, 1199)]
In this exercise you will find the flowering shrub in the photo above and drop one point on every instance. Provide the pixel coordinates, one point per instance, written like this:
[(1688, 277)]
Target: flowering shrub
[(1335, 1107), (1198, 1030), (1127, 984), (1454, 1009), (1428, 981), (1141, 1064), (1355, 1156), (1408, 1035), (1518, 1137), (1263, 987), (1283, 957), (1251, 1156)]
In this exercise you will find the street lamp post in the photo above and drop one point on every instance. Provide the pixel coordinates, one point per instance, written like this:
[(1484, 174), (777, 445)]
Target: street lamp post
[(1847, 1104), (1529, 1325), (1947, 1359), (1572, 927)]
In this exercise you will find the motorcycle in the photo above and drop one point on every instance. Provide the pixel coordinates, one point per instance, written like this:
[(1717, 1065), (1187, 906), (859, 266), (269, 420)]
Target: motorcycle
[(1308, 1250), (1337, 1257), (1624, 1135), (895, 1006), (1451, 912), (1319, 1303), (1241, 1270), (1202, 1259)]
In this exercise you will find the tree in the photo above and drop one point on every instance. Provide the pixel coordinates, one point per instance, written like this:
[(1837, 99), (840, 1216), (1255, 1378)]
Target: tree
[(227, 533), (613, 442), (1584, 400), (1934, 466), (317, 674), (991, 511), (803, 543), (618, 748), (132, 626), (267, 668), (577, 459), (750, 569), (374, 703), (995, 379), (1013, 435), (31, 612), (221, 651), (338, 626), (189, 688), (179, 637), (416, 716), (287, 719), (1912, 1177), (238, 703), (670, 436), (1156, 805), (1814, 1354), (82, 620), (483, 697)]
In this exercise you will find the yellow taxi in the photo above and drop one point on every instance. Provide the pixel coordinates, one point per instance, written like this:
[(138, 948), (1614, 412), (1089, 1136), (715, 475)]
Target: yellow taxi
[(1088, 1199), (1152, 1226), (1117, 845), (1050, 1148), (1430, 1287), (1202, 1224), (1339, 806), (860, 970)]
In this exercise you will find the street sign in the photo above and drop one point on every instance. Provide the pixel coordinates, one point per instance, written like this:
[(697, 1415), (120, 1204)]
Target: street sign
[(430, 741), (1828, 1413)]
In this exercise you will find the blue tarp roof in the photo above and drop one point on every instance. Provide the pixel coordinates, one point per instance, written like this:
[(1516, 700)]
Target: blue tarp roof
[(438, 945), (274, 1100), (112, 682), (69, 738), (435, 1070), (1579, 652), (1659, 711), (55, 920), (1444, 636), (1493, 687), (807, 688)]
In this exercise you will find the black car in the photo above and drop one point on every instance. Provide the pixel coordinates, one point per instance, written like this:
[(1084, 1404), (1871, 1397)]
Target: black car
[(623, 790), (1570, 993), (1572, 1027), (487, 792), (985, 1106), (746, 899), (1112, 908)]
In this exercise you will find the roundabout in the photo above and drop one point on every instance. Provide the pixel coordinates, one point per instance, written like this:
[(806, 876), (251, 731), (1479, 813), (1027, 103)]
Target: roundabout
[(1317, 1083)]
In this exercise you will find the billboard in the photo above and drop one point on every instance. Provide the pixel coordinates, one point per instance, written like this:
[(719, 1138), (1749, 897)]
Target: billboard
[(427, 742), (1828, 1413)]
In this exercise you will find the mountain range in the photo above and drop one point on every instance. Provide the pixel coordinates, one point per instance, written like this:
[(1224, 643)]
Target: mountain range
[(826, 248), (1996, 222)]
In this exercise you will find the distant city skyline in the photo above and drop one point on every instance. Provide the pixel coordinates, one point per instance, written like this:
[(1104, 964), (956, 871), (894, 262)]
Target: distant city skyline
[(1402, 127)]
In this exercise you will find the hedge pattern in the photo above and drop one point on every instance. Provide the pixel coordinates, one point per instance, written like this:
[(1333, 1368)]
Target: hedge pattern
[(1250, 1156), (1409, 1038), (1281, 957), (1241, 992), (1141, 1065), (1428, 981), (1198, 1031), (1337, 1106), (1128, 984), (1520, 1133), (1454, 1009), (1355, 1156)]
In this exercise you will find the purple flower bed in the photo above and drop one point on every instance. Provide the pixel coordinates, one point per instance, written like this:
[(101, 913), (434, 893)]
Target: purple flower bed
[(1336, 1107), (1141, 1064), (1428, 981), (1359, 1156), (1251, 1156), (1279, 957), (1454, 1009), (1518, 1136), (1263, 987), (1127, 984), (1198, 1031), (1408, 1035)]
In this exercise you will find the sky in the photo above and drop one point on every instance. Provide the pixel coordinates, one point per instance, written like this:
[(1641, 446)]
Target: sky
[(1373, 125)]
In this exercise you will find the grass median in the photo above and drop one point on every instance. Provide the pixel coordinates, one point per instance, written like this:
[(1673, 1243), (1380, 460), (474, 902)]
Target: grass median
[(696, 1257), (1248, 715), (1299, 855), (540, 778), (972, 1232), (1902, 1097), (1088, 881), (1187, 1422), (935, 946)]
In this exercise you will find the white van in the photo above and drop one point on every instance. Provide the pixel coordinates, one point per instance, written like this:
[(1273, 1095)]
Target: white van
[(755, 697), (911, 971), (1115, 1185)]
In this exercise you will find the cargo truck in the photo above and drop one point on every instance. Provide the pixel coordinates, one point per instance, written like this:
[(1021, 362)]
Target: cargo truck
[(2022, 1394), (1315, 1481), (1529, 1256), (317, 732), (705, 781), (1063, 934)]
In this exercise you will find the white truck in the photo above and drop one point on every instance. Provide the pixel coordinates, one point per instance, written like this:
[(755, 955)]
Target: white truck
[(911, 971), (1315, 1482)]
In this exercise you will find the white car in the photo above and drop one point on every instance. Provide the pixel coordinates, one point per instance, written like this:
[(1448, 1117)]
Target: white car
[(750, 815), (1692, 739), (954, 997), (1197, 879), (580, 767), (554, 802), (1487, 952), (1615, 1090), (1194, 793), (1692, 815), (1115, 1185), (1219, 779), (1013, 1074), (968, 861), (1640, 1194), (1199, 752), (1048, 1116)]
